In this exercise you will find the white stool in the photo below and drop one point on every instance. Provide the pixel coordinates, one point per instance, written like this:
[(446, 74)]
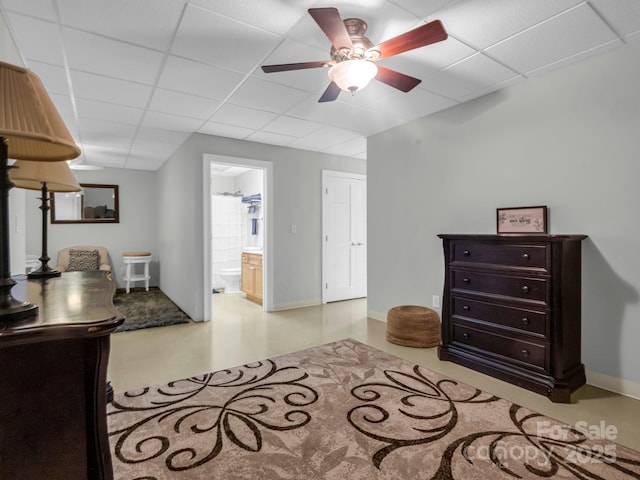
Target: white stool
[(132, 258)]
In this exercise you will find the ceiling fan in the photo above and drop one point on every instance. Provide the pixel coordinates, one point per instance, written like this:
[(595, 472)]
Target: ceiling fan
[(352, 54)]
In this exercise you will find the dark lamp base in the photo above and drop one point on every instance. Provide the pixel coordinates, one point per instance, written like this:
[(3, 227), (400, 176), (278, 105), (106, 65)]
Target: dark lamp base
[(13, 310), (44, 273)]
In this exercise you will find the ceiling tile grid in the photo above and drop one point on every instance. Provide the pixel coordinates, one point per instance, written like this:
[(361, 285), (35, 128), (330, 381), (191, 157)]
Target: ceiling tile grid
[(134, 79)]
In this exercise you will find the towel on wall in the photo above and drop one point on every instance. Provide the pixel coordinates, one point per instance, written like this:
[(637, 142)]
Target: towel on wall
[(254, 226), (256, 197)]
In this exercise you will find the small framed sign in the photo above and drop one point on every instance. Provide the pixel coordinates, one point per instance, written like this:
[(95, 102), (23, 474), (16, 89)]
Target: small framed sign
[(529, 220)]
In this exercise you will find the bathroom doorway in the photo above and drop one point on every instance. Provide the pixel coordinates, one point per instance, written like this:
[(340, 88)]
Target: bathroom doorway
[(236, 216)]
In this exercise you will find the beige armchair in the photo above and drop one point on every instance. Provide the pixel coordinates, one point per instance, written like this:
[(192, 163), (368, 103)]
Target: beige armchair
[(83, 258)]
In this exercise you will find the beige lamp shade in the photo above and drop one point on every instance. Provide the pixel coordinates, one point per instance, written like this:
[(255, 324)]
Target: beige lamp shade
[(31, 175), (29, 122)]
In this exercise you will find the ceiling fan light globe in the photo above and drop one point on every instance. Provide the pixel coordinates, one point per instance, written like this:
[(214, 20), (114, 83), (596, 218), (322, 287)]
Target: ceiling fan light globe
[(352, 75)]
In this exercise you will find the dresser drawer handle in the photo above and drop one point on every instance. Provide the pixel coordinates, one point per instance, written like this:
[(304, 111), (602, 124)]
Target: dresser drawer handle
[(525, 320), (466, 280), (466, 253), (466, 307), (466, 336), (525, 352), (525, 289), (526, 256)]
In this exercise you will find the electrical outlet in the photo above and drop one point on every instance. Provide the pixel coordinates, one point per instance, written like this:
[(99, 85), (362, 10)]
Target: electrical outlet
[(435, 301)]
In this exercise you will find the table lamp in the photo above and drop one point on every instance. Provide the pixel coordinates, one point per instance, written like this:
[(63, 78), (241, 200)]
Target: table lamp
[(30, 129), (46, 177)]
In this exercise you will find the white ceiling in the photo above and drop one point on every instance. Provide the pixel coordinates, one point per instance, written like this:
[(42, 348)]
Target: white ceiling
[(134, 78)]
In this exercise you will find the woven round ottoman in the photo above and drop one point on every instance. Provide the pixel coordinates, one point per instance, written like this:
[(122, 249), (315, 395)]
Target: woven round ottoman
[(413, 326)]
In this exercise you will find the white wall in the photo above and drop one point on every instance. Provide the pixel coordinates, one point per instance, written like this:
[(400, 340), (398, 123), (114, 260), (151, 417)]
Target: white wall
[(569, 140), (136, 230), (295, 199)]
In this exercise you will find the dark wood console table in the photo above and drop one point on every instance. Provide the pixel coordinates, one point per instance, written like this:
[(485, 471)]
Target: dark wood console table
[(53, 370)]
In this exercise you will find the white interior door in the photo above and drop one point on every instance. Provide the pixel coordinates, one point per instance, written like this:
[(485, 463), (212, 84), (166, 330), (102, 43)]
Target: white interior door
[(344, 232)]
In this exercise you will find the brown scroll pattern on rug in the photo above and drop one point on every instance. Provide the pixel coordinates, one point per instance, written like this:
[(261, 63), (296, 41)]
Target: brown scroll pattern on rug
[(410, 409), (425, 412), (228, 407)]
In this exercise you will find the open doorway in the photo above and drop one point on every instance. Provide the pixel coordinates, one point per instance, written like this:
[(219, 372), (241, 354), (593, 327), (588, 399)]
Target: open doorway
[(237, 229)]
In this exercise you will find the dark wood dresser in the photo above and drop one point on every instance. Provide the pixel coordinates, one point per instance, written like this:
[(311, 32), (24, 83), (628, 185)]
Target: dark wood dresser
[(511, 309), (53, 370)]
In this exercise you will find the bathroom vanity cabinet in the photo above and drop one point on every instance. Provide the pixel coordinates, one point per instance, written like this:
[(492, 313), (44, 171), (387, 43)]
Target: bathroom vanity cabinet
[(252, 276), (511, 309)]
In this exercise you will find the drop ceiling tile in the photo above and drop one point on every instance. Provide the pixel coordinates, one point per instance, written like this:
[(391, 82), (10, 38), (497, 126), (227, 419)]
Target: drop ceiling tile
[(37, 39), (293, 127), (221, 41), (108, 128), (162, 136), (105, 156), (137, 162), (350, 147), (424, 8), (486, 22), (182, 104), (267, 96), (426, 60), (202, 80), (107, 140), (325, 113), (148, 148), (288, 13), (150, 23), (110, 90), (416, 104), (53, 77), (324, 137), (566, 35), (475, 73), (103, 56), (622, 15), (271, 138), (575, 58), (36, 8), (242, 116), (171, 122), (224, 130), (369, 122), (63, 104), (108, 112)]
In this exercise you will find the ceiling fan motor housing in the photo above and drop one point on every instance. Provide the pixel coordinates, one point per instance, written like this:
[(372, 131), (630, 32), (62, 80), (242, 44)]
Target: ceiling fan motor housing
[(362, 46)]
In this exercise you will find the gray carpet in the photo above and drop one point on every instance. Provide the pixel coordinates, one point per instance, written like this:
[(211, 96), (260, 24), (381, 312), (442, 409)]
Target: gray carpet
[(143, 309)]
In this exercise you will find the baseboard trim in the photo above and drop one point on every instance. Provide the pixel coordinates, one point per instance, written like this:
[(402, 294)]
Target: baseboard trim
[(614, 384), (382, 316), (298, 304)]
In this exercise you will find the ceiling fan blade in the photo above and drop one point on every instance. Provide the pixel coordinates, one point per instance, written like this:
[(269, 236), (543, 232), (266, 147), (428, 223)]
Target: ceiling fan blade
[(330, 94), (395, 79), (328, 19), (426, 34), (285, 67)]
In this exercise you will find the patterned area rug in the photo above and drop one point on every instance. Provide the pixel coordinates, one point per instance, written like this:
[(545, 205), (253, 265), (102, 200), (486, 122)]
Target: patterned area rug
[(143, 309), (345, 411)]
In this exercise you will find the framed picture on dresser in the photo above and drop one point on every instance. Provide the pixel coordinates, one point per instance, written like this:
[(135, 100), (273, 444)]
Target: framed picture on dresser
[(526, 220)]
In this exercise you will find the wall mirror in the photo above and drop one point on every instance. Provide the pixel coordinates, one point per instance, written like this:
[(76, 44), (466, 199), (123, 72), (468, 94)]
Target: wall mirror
[(94, 204)]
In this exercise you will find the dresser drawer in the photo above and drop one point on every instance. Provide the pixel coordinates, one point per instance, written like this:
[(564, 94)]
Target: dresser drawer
[(527, 321), (525, 256), (521, 288), (529, 353)]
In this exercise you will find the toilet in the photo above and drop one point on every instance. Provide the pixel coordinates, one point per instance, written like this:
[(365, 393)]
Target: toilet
[(231, 277)]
